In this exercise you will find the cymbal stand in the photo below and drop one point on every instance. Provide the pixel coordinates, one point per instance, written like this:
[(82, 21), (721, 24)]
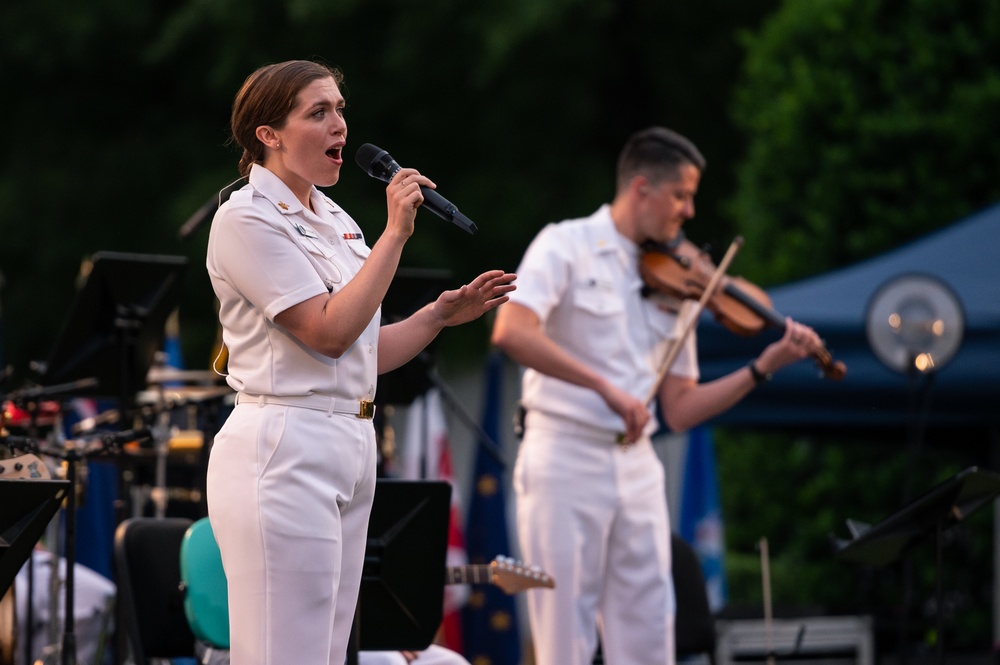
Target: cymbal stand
[(161, 447), (52, 653), (73, 453), (30, 445)]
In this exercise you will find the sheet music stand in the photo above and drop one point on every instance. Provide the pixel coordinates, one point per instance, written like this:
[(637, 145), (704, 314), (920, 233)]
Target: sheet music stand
[(115, 325), (928, 516), (410, 289), (26, 508), (402, 585), (114, 329)]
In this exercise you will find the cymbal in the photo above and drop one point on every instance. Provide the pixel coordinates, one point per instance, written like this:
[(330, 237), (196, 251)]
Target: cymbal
[(170, 375), (176, 395)]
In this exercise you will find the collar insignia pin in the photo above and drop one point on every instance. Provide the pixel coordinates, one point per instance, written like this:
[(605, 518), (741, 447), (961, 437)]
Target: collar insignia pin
[(282, 205)]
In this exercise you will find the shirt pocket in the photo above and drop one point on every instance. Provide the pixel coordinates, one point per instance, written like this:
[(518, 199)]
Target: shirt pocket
[(359, 249), (599, 315), (324, 259)]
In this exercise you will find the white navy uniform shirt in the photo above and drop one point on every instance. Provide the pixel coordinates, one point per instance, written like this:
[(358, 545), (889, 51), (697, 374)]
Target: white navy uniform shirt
[(581, 277), (267, 252)]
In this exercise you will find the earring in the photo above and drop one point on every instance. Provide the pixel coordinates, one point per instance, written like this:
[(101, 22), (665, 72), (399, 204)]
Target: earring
[(277, 146)]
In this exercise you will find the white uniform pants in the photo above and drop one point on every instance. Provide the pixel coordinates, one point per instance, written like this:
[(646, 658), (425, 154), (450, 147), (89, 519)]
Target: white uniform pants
[(594, 516), (289, 495)]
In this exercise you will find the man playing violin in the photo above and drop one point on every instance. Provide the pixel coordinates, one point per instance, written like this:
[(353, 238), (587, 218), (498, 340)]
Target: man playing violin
[(590, 489)]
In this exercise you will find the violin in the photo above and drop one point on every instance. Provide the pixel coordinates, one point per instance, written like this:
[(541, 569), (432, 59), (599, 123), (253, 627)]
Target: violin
[(682, 271)]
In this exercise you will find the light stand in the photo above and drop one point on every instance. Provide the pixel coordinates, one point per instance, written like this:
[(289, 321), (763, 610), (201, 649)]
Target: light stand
[(915, 325)]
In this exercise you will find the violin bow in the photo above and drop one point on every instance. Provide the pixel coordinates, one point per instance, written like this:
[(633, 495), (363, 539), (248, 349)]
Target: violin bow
[(694, 315)]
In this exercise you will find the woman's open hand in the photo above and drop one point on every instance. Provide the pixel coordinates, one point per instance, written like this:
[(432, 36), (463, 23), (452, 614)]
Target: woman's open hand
[(486, 292)]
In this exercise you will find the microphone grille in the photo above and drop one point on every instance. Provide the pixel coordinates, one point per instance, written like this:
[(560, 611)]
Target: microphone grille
[(367, 156)]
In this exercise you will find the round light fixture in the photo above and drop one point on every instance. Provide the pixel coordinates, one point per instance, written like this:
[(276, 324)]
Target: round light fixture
[(915, 322)]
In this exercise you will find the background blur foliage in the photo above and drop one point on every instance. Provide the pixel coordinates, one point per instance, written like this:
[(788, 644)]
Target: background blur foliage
[(834, 130), (869, 123), (798, 491), (119, 116)]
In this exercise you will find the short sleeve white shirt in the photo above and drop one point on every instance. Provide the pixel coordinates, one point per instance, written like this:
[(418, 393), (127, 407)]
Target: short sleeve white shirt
[(581, 277), (266, 253)]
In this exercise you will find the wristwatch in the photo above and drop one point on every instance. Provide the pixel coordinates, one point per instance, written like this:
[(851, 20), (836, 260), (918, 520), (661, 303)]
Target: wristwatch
[(758, 376)]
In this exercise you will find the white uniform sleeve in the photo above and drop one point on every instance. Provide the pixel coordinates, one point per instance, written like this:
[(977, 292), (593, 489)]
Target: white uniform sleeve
[(544, 272), (258, 258)]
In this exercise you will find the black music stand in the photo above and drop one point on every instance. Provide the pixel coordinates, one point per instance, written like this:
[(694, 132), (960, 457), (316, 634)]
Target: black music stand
[(410, 289), (928, 516), (115, 325), (113, 331), (401, 603), (26, 508)]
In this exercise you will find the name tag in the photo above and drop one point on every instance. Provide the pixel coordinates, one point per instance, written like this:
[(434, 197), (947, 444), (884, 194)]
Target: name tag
[(306, 231)]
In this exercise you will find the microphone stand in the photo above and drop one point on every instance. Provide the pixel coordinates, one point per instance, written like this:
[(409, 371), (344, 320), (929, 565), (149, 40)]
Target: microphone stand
[(449, 397)]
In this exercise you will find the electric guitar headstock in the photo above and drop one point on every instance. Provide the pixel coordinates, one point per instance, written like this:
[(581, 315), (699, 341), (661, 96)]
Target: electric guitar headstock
[(24, 467), (510, 575)]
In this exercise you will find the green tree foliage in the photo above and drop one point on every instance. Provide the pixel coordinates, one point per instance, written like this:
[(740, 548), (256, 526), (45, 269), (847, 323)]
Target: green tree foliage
[(869, 123), (798, 491), (118, 115)]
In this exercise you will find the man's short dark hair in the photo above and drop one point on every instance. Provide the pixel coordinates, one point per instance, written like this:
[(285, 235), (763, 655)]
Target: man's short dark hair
[(656, 152)]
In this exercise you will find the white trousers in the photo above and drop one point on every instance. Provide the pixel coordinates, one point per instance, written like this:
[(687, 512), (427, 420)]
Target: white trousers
[(594, 516), (290, 491)]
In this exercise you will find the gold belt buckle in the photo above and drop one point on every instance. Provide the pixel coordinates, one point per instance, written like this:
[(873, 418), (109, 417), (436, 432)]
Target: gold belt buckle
[(366, 410)]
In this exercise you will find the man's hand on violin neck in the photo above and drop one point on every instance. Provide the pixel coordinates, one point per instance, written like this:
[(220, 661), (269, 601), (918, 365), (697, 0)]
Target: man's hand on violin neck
[(799, 341)]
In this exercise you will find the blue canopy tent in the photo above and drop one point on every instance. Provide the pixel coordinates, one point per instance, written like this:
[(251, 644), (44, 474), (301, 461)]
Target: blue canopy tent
[(965, 393)]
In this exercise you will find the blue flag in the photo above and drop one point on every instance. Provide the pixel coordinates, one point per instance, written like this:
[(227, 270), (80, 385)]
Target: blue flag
[(489, 618), (701, 513)]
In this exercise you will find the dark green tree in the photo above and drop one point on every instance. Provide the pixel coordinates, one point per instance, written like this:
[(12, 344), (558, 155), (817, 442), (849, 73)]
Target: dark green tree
[(868, 124), (119, 117)]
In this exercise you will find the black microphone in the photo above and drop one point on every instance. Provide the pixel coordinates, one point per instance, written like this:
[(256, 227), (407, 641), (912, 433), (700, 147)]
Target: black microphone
[(115, 439), (379, 164)]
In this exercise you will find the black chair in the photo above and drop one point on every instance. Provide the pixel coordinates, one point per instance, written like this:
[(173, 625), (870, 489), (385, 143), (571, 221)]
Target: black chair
[(694, 624), (147, 563)]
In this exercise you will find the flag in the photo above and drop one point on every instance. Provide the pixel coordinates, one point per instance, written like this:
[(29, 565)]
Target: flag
[(701, 513), (172, 356), (427, 456), (172, 342), (490, 617)]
